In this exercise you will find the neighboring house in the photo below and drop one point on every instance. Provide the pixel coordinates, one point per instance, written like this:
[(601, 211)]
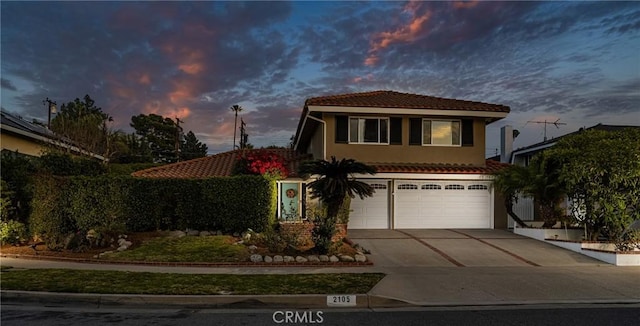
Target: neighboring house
[(429, 153), (525, 208), (20, 137)]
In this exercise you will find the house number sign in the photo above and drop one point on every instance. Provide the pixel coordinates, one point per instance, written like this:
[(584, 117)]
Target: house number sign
[(341, 300)]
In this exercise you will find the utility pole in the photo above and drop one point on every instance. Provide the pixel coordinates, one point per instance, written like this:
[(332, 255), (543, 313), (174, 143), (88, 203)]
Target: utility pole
[(51, 108), (178, 132), (555, 123), (236, 108)]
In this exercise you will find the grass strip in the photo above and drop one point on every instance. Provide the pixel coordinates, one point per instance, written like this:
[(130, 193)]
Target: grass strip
[(116, 282), (186, 249)]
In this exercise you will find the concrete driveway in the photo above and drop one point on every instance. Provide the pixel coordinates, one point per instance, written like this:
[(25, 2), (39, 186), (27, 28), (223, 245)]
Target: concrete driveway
[(462, 248)]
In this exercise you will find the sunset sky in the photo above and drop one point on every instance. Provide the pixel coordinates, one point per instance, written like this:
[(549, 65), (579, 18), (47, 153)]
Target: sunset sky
[(574, 61)]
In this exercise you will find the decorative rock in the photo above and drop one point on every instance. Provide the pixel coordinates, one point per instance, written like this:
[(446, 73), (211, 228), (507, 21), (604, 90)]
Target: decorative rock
[(277, 259), (240, 242), (268, 259), (122, 248), (301, 259), (246, 236), (256, 258), (121, 242), (193, 232), (346, 258), (177, 234), (288, 259), (252, 247), (96, 256), (360, 258), (323, 258), (313, 258), (205, 233), (334, 259)]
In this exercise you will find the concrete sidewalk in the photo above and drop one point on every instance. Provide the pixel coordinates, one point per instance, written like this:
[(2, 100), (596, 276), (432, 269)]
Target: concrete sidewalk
[(403, 286)]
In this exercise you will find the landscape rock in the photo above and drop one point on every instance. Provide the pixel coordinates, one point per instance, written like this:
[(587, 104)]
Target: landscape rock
[(360, 258), (334, 259), (268, 259), (205, 233), (277, 259), (346, 258), (256, 258), (71, 241), (122, 248), (313, 258), (288, 259), (177, 234), (121, 242), (252, 247), (323, 258), (193, 232), (301, 259)]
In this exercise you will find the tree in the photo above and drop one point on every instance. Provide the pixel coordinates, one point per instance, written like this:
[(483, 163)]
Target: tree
[(159, 134), (236, 108), (192, 148), (539, 180), (85, 125), (335, 182), (601, 172), (130, 148), (509, 182)]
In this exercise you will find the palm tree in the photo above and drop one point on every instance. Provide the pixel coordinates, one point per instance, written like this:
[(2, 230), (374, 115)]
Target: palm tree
[(336, 181), (236, 108), (509, 182), (539, 180)]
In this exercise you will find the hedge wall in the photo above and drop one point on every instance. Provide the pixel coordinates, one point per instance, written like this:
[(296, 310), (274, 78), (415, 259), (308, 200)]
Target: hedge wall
[(62, 205)]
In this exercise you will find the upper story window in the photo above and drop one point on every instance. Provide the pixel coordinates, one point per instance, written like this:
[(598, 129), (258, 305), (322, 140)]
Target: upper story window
[(441, 132), (369, 130)]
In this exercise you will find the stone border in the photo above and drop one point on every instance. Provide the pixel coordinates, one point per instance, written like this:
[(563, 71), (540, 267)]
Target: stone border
[(191, 264)]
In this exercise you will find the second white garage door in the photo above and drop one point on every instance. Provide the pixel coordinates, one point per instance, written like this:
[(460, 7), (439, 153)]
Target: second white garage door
[(442, 204)]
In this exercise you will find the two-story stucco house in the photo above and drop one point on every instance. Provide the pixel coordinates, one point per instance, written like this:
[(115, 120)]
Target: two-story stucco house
[(429, 153)]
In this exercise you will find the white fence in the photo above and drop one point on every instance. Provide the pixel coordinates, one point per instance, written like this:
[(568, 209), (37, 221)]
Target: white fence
[(523, 208)]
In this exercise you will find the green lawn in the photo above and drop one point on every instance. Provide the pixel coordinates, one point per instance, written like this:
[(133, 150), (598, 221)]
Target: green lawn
[(83, 281), (185, 249)]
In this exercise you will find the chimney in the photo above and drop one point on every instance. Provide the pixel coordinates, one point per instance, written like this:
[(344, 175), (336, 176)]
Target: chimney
[(506, 143)]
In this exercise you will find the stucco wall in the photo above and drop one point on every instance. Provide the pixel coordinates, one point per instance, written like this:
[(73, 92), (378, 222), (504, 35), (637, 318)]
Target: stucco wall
[(12, 143)]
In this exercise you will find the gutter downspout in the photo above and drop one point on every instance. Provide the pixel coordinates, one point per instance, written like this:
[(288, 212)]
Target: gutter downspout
[(324, 135)]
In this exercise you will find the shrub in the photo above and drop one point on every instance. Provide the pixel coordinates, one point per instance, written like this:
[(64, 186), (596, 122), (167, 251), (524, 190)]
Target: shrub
[(128, 168), (61, 164), (51, 216), (12, 232)]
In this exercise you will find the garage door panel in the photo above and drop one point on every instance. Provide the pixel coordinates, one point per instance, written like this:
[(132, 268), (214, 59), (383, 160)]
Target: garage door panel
[(442, 204), (371, 212)]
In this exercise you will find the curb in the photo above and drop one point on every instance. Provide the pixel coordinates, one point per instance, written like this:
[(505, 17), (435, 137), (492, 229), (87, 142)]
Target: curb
[(303, 301), (188, 264)]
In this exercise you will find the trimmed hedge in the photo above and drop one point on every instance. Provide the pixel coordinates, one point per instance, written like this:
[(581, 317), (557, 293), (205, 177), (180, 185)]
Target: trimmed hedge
[(62, 205)]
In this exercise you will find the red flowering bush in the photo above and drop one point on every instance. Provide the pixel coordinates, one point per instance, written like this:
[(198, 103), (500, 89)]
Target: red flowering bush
[(262, 162)]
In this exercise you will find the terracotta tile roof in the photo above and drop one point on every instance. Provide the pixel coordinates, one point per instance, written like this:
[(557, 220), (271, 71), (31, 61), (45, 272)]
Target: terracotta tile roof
[(391, 99), (217, 165), (489, 168)]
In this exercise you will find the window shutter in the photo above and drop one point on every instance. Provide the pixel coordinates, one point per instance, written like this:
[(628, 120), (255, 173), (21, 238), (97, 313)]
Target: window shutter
[(395, 131), (467, 132), (342, 129), (415, 131)]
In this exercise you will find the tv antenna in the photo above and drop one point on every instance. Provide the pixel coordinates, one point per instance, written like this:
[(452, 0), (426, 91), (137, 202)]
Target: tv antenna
[(545, 122)]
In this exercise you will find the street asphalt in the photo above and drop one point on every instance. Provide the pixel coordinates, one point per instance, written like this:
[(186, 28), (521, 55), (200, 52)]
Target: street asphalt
[(427, 268)]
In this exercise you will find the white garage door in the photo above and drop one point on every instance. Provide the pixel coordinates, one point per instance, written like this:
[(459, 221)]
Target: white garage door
[(371, 212), (442, 204)]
